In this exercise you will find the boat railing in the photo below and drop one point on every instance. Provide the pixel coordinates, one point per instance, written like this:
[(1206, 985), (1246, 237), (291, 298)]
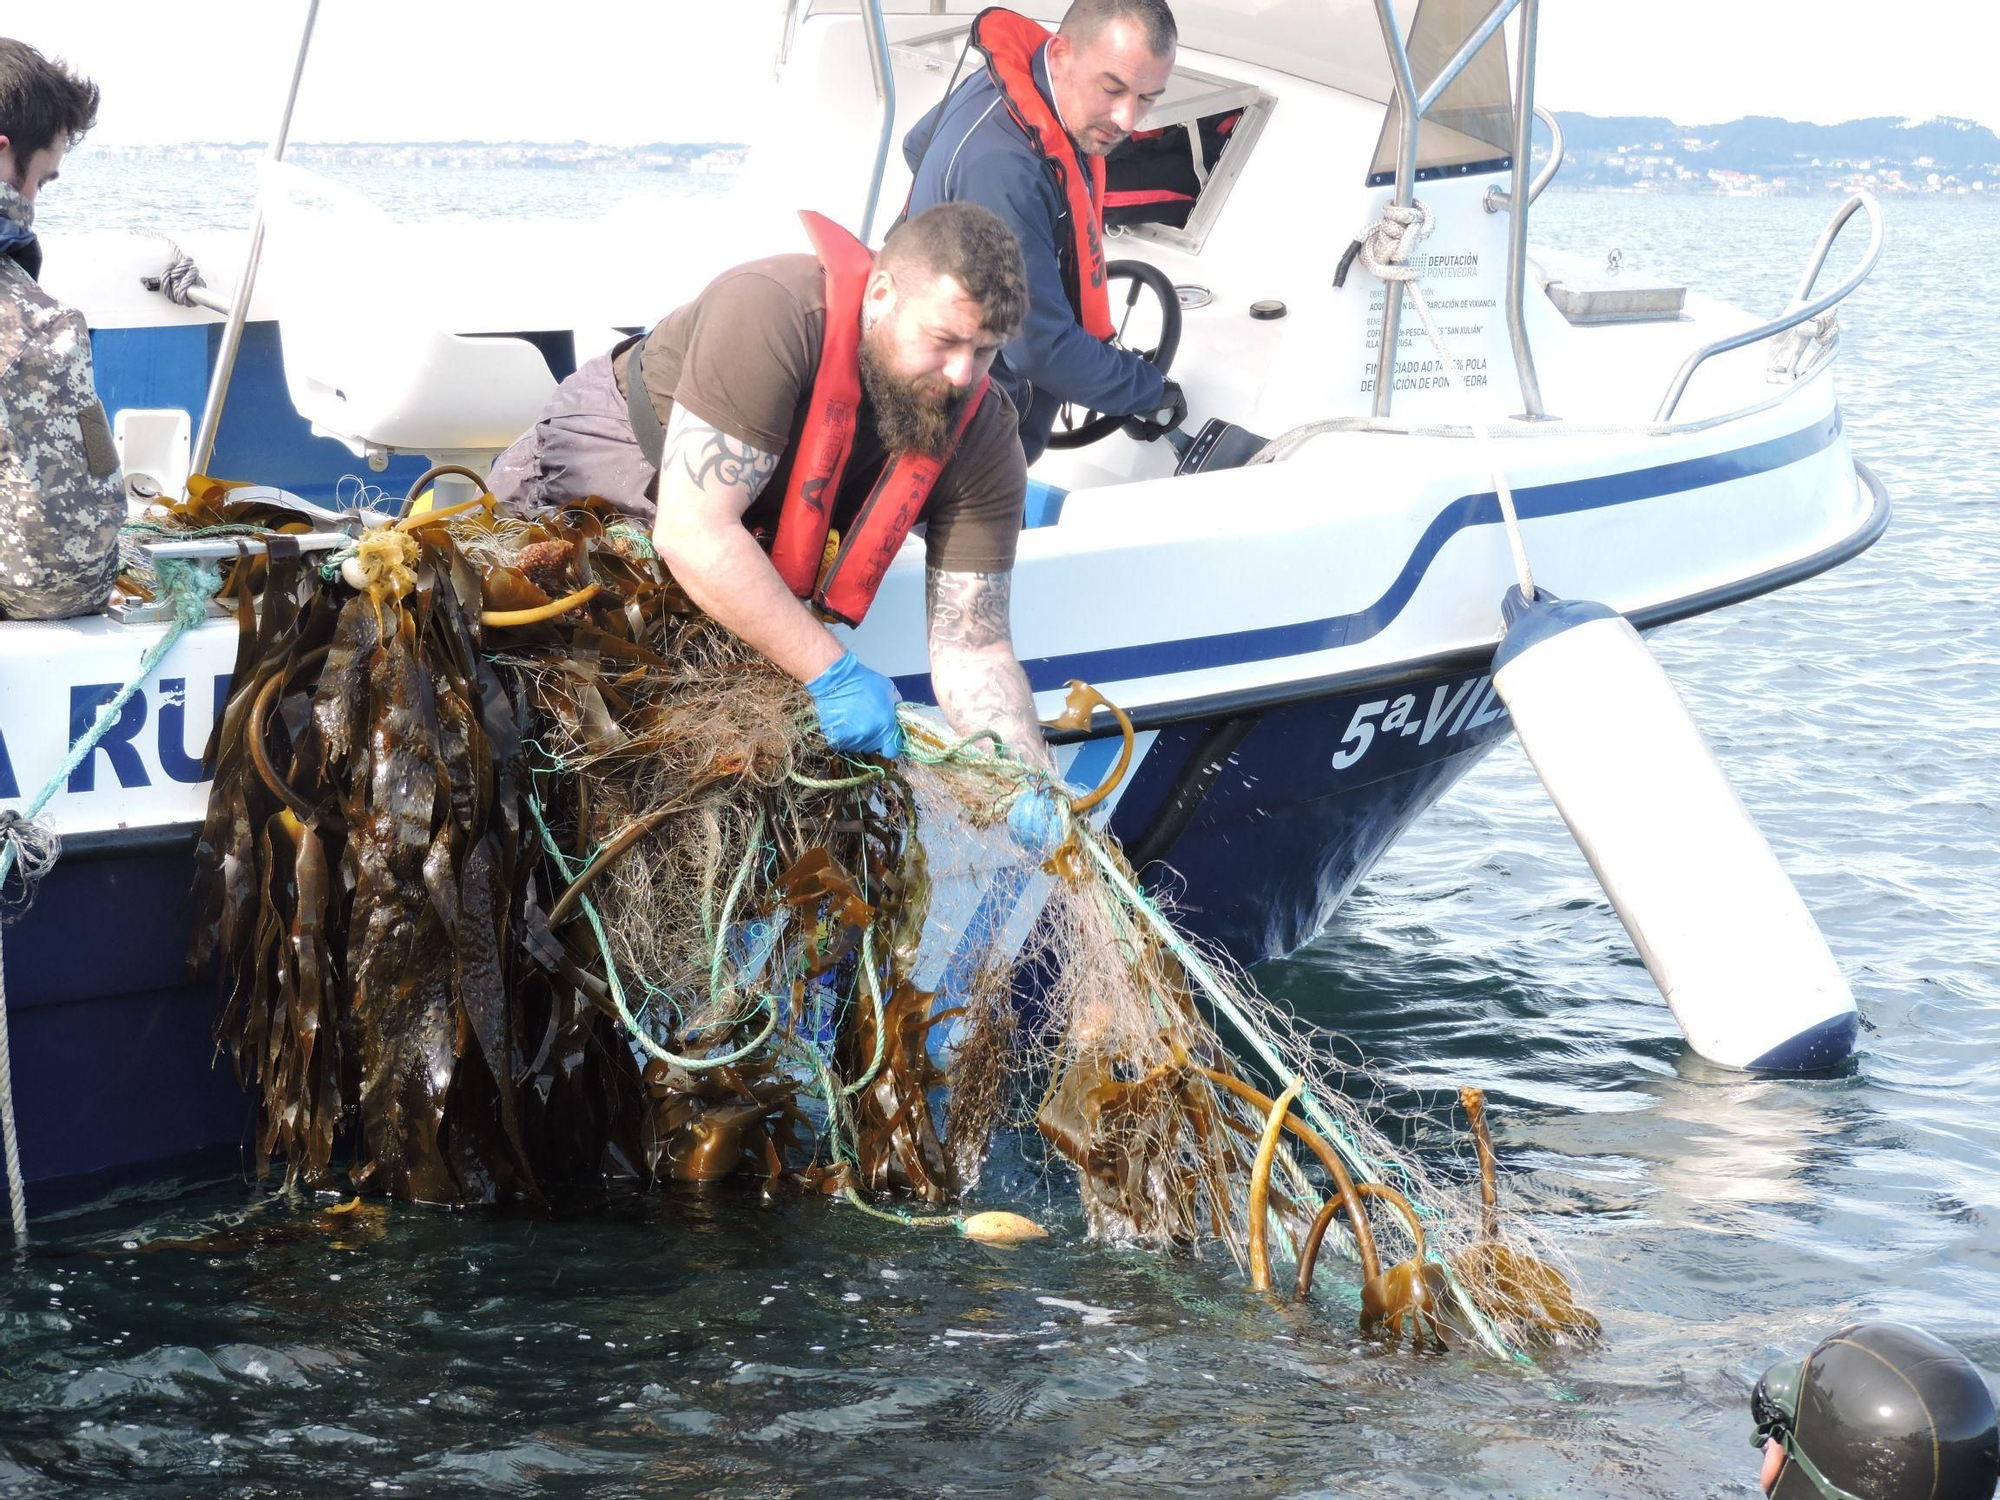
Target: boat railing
[(1800, 310), (238, 307), (1499, 200), (1411, 108), (877, 34)]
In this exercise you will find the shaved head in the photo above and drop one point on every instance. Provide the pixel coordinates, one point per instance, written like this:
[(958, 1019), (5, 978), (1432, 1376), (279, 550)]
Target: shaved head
[(1086, 19)]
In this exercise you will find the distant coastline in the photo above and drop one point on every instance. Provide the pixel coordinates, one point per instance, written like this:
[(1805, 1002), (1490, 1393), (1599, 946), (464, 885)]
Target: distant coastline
[(694, 157), (1758, 156)]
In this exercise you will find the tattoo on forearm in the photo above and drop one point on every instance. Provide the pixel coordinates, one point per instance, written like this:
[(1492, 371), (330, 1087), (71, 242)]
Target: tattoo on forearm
[(715, 460), (979, 684), (968, 611)]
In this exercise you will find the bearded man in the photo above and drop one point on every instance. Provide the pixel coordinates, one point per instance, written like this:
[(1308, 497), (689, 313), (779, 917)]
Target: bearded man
[(802, 397)]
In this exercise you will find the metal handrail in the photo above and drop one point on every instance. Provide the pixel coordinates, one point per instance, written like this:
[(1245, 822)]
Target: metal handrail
[(1410, 109), (1517, 223), (1499, 200), (1799, 311), (1406, 171), (1548, 173), (885, 92), (239, 305)]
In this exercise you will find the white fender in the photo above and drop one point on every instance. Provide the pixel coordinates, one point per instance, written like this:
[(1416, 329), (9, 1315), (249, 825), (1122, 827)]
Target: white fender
[(1711, 911)]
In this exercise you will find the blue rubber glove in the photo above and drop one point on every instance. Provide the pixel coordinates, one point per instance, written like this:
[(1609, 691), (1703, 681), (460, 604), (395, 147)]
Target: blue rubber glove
[(857, 708), (1038, 821)]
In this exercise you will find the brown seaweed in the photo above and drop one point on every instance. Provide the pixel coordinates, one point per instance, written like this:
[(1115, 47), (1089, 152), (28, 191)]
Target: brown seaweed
[(1508, 1281), (363, 877)]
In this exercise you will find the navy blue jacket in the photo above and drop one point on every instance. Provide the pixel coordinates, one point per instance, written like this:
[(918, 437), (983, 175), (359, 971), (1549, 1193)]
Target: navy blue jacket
[(970, 150)]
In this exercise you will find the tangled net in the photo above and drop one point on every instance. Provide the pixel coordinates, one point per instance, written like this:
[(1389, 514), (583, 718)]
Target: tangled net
[(523, 877)]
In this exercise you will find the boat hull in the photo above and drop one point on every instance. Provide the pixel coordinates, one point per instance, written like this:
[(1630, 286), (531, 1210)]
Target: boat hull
[(115, 1065)]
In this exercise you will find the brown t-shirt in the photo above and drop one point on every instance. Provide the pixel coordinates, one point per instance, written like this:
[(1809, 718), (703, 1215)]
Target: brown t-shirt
[(742, 357)]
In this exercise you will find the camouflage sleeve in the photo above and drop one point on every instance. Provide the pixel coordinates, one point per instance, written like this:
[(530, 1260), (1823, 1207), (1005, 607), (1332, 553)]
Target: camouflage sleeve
[(62, 497)]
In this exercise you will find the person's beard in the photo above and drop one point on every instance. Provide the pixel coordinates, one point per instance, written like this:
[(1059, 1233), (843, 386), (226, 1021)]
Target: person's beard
[(916, 416)]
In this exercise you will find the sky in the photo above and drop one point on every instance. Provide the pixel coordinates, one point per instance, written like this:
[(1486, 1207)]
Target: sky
[(624, 71)]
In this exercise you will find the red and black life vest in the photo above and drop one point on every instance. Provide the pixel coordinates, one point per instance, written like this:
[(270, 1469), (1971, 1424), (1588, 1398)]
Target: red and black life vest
[(844, 585), (1009, 42)]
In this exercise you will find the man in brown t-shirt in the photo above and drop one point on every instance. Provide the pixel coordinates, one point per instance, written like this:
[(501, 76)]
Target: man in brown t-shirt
[(730, 376)]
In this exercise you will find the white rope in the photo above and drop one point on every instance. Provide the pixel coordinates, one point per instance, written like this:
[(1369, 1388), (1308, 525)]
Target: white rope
[(180, 277), (1385, 252), (17, 1198), (31, 849)]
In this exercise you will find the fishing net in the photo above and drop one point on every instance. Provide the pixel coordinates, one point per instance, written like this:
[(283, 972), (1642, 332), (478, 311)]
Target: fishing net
[(523, 877)]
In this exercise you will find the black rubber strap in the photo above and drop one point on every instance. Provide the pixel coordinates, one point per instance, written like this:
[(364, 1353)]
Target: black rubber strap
[(646, 428), (1190, 790)]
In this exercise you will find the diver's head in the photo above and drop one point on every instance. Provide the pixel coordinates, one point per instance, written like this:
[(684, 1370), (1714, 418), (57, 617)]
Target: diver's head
[(1108, 65), (1879, 1411), (948, 289)]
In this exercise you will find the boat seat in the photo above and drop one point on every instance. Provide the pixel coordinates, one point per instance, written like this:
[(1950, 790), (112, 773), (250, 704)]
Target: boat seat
[(364, 363)]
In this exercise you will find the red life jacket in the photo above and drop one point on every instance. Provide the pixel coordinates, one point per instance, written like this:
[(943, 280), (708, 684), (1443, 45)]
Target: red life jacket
[(844, 587), (1010, 42)]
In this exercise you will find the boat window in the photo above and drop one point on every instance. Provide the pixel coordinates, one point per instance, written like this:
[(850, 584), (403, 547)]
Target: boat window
[(1471, 127), (1169, 182)]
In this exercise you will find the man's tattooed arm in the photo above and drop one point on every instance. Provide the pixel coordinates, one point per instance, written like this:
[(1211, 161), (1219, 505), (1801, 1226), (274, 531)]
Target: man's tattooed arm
[(978, 682), (708, 481), (714, 461)]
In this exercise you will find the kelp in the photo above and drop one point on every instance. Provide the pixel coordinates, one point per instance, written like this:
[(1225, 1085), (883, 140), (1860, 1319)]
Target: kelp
[(523, 878), (363, 876)]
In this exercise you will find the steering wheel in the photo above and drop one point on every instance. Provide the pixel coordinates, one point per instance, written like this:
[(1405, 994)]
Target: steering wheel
[(1074, 433)]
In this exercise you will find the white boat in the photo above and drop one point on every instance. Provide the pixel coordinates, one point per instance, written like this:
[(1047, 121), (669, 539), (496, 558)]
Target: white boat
[(1304, 644)]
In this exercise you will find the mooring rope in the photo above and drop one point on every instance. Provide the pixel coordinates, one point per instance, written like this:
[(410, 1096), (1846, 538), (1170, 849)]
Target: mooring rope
[(33, 849), (1385, 252), (180, 277)]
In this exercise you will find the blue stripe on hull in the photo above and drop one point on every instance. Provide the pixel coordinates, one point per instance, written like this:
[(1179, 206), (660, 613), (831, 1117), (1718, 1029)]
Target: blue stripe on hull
[(1269, 643)]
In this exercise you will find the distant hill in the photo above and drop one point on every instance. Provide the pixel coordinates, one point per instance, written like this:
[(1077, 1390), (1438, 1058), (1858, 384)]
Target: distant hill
[(1761, 153)]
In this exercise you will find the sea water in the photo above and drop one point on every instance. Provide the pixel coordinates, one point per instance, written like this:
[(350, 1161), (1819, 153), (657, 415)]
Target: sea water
[(718, 1343)]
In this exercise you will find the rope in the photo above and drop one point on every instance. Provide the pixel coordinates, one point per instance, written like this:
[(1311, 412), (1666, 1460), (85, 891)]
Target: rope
[(33, 849), (628, 532), (181, 276), (875, 1007), (630, 1022), (923, 742), (1385, 252), (1198, 970)]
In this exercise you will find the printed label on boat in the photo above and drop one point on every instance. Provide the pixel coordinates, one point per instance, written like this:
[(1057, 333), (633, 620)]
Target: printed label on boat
[(147, 768), (1463, 315), (1413, 721)]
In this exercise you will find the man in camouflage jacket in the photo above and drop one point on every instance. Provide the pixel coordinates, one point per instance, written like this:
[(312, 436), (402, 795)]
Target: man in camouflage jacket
[(61, 494)]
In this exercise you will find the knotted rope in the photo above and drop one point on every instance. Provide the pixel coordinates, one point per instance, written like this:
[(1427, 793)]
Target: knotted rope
[(1386, 249), (181, 276), (33, 849)]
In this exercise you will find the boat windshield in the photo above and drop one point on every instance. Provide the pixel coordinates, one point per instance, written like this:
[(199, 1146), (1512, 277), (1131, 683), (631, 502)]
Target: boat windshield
[(1470, 128)]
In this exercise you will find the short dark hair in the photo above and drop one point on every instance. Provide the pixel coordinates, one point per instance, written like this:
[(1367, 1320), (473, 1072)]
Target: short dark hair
[(40, 100), (1086, 18), (974, 247)]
